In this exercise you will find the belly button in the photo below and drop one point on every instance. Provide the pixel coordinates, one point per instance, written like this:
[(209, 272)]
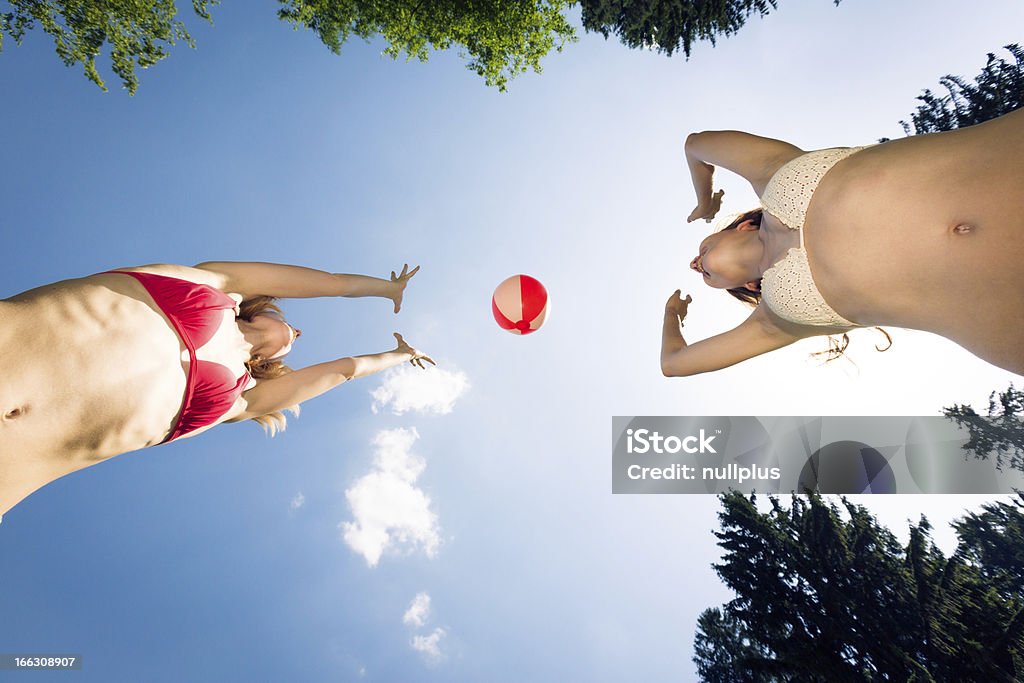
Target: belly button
[(15, 413), (963, 229)]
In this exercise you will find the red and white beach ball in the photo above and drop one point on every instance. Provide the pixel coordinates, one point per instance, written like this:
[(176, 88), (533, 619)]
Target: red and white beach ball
[(520, 304)]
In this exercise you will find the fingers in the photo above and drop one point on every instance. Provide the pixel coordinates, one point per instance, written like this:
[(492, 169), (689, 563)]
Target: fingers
[(677, 304), (417, 357), (405, 274)]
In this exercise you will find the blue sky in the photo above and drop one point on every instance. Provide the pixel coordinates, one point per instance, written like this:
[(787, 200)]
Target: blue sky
[(190, 562)]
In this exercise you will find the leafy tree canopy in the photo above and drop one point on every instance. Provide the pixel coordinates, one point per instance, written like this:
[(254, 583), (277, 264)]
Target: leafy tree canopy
[(138, 32), (500, 38)]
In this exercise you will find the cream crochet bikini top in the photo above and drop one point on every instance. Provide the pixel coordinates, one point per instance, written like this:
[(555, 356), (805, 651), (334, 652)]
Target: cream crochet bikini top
[(787, 287)]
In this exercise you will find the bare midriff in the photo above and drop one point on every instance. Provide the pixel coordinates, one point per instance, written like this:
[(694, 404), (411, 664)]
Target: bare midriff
[(89, 372), (927, 232)]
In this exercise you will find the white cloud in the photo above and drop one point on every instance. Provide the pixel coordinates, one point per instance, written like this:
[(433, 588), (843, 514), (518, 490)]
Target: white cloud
[(298, 501), (418, 612), (407, 388), (430, 646), (389, 510)]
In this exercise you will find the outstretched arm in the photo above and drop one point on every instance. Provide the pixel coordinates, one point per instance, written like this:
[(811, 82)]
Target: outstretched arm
[(296, 282), (289, 390), (756, 335), (751, 156)]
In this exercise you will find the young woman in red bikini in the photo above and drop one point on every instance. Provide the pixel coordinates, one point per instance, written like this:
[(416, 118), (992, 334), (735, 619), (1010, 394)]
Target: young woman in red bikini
[(136, 357)]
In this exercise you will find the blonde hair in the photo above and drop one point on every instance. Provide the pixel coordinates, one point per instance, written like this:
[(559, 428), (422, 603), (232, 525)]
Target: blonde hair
[(265, 368)]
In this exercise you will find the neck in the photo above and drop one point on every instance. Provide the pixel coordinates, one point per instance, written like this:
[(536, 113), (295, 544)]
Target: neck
[(754, 253), (775, 245), (256, 338)]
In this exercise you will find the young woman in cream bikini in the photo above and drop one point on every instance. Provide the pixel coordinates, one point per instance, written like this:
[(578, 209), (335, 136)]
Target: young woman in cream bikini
[(118, 361), (926, 232)]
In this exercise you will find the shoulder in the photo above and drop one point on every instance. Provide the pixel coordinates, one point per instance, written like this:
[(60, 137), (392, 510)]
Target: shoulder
[(774, 325), (195, 274)]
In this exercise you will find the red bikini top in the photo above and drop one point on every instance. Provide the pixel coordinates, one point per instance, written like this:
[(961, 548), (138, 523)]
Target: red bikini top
[(195, 311)]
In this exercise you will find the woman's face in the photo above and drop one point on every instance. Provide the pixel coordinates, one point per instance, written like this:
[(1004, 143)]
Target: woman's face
[(720, 257), (278, 334)]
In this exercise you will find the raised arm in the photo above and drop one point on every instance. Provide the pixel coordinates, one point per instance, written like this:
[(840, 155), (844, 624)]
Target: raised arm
[(756, 335), (289, 390), (751, 156), (297, 282)]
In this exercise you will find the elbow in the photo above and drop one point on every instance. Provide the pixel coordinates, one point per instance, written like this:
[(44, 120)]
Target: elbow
[(345, 370), (693, 139), (674, 370), (682, 366)]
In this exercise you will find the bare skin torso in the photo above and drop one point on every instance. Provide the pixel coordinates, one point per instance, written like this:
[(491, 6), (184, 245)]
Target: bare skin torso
[(90, 372), (927, 232)]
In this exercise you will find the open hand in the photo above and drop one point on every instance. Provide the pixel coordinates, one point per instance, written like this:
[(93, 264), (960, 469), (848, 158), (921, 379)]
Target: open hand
[(707, 210), (678, 305), (399, 281), (417, 356)]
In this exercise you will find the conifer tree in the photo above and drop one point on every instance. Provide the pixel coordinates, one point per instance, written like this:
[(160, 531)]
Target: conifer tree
[(670, 25), (825, 593), (1000, 434), (997, 90)]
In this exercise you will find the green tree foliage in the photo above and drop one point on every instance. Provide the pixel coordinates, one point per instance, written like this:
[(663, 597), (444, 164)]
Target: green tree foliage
[(668, 25), (725, 653), (997, 90), (826, 594), (1000, 433), (502, 38), (137, 32)]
